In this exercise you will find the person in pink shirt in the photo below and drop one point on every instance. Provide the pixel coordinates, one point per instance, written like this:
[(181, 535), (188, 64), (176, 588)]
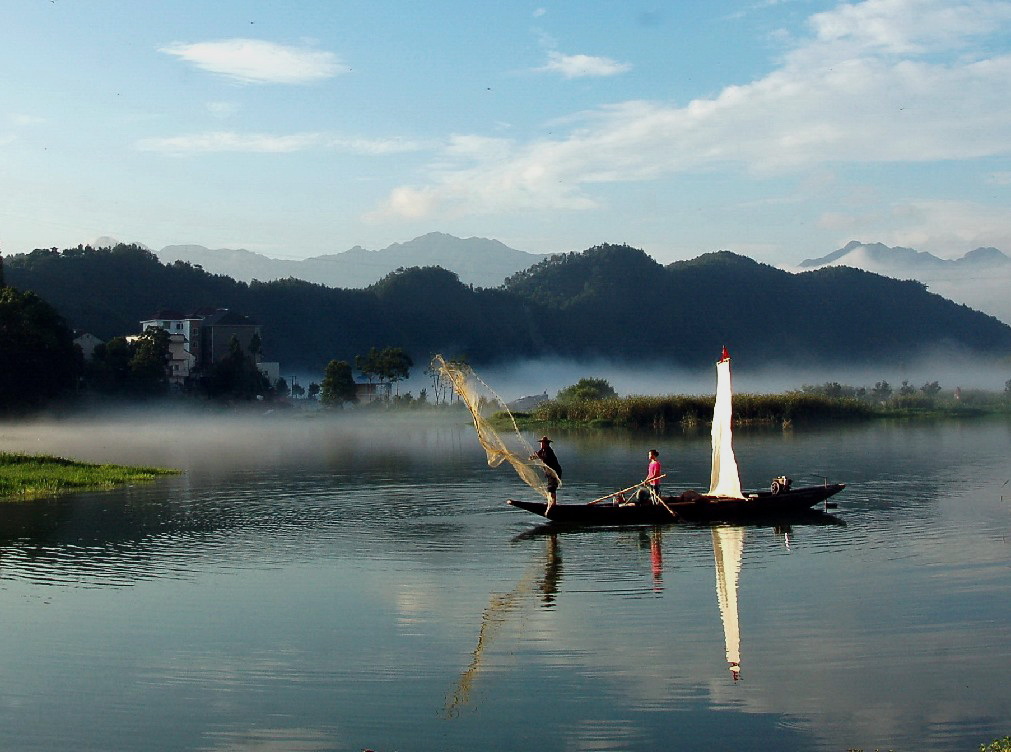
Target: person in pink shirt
[(654, 472)]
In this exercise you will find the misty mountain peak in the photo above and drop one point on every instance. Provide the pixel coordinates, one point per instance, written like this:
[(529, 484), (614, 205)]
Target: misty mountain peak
[(988, 255)]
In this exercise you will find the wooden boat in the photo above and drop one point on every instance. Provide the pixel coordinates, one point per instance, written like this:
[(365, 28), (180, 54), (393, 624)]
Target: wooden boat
[(688, 507), (725, 501)]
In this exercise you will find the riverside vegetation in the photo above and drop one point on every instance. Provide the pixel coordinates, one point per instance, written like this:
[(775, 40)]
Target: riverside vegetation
[(25, 476), (593, 402)]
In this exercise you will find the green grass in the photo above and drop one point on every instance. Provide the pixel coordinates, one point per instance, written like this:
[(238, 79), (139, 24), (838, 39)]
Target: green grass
[(25, 476)]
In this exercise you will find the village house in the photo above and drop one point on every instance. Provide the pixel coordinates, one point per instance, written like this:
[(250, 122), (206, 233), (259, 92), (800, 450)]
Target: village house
[(200, 339)]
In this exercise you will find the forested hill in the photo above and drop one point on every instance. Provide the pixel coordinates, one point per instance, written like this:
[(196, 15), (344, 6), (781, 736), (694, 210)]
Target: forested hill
[(616, 300), (612, 301)]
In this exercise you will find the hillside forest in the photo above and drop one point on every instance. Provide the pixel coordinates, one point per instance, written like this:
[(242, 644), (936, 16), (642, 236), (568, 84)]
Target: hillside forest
[(610, 301)]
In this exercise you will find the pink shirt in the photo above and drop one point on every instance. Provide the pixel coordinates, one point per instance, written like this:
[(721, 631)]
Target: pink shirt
[(654, 472)]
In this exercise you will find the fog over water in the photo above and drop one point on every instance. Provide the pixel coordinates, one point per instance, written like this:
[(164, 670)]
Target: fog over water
[(550, 375), (195, 440)]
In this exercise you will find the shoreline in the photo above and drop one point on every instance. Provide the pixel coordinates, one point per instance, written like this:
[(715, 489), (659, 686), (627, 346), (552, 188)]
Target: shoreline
[(27, 476), (768, 410)]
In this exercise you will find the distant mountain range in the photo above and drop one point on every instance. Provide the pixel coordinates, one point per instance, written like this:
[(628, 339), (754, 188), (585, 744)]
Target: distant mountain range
[(477, 261), (884, 258), (608, 302), (980, 279)]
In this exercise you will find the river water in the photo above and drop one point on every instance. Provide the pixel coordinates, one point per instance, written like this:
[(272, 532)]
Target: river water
[(348, 584)]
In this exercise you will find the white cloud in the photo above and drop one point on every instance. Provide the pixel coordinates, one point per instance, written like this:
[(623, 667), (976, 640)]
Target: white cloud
[(909, 26), (256, 61), (228, 141), (845, 96), (377, 146), (579, 66)]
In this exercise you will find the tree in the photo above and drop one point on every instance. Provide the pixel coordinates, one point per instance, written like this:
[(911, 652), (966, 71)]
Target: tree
[(297, 390), (396, 364), (281, 386), (370, 366), (338, 384), (931, 389), (906, 390), (149, 362), (881, 391), (236, 375), (255, 346), (313, 390), (587, 389), (39, 359), (109, 368), (390, 365)]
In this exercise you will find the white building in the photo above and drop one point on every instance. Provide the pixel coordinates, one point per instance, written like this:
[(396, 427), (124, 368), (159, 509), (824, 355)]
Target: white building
[(182, 362)]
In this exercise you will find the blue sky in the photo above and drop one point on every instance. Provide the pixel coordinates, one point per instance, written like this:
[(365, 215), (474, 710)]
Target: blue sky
[(780, 129)]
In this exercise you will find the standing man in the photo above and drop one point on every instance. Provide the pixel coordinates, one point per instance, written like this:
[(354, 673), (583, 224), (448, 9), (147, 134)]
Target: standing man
[(552, 471), (654, 472)]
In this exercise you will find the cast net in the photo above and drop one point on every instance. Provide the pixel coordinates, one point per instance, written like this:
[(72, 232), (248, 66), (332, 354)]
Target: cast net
[(508, 446)]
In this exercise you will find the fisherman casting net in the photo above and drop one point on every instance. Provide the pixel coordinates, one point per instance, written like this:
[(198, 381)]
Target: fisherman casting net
[(509, 446)]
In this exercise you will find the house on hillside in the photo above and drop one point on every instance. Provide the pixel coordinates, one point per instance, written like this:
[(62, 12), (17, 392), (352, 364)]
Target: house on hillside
[(178, 325), (208, 332), (217, 327), (182, 363), (201, 339)]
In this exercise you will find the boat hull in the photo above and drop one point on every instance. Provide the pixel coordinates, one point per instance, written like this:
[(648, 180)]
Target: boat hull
[(688, 507)]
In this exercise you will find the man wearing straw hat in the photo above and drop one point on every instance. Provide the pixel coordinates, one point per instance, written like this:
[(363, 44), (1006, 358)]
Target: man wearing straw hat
[(553, 470)]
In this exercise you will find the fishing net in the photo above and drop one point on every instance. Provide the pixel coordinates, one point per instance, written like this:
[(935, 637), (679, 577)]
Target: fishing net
[(482, 402)]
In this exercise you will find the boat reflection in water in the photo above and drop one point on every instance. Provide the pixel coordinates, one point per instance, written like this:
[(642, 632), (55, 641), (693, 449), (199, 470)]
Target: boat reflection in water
[(540, 583), (500, 608)]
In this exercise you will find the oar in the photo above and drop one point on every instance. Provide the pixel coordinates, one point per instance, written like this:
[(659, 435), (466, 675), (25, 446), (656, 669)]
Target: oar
[(602, 498), (659, 498)]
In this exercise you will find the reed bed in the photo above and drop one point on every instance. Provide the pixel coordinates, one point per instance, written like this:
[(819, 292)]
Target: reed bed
[(663, 412), (24, 476)]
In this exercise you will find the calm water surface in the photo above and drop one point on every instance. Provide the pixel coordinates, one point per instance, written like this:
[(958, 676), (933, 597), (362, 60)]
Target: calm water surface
[(337, 585)]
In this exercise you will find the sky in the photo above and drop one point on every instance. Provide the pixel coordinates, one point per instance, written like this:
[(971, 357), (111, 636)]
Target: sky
[(779, 129)]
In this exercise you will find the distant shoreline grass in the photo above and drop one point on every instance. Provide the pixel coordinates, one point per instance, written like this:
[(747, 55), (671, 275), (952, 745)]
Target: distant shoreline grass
[(663, 413), (27, 476)]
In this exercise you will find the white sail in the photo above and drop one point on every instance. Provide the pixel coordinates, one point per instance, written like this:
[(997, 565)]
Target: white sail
[(728, 548), (725, 480)]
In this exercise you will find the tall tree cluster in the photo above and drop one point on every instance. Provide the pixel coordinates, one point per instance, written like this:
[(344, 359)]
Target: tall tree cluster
[(38, 359)]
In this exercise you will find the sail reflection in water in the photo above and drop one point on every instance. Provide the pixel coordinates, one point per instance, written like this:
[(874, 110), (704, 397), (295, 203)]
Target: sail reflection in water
[(728, 549)]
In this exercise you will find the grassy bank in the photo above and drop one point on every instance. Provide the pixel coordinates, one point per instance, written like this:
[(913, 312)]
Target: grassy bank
[(25, 476), (674, 411)]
